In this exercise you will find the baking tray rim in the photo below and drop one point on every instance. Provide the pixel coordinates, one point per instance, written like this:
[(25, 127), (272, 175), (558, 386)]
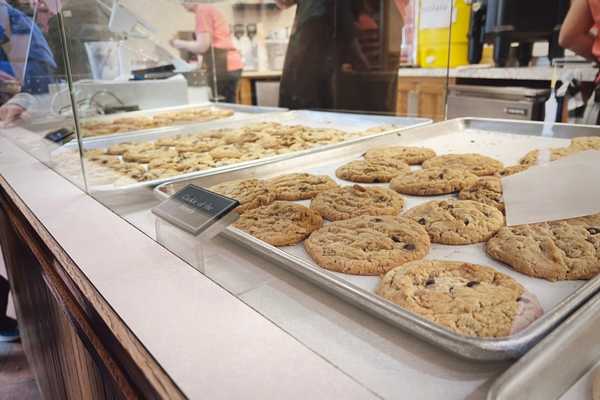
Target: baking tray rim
[(545, 346), (243, 111), (210, 125), (473, 348)]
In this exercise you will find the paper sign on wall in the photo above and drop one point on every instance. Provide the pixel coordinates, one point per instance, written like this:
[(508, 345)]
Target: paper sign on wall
[(436, 14)]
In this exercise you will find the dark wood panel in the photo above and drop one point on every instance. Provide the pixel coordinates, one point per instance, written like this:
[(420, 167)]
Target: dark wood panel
[(77, 345), (61, 363)]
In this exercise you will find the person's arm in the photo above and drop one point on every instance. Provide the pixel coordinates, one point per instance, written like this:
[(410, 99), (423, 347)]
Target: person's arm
[(204, 30), (16, 107), (575, 32), (283, 4), (198, 46)]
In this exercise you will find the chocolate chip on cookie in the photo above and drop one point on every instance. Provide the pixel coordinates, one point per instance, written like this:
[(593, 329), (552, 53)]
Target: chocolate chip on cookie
[(432, 181)]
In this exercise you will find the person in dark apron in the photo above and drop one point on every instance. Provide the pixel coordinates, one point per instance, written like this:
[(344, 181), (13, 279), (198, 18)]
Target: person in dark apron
[(221, 59), (323, 39)]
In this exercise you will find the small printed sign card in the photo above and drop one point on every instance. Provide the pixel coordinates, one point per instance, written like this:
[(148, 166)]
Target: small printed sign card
[(195, 209)]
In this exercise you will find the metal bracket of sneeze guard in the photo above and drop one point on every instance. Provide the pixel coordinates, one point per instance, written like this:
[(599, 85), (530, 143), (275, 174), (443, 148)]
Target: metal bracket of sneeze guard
[(190, 218)]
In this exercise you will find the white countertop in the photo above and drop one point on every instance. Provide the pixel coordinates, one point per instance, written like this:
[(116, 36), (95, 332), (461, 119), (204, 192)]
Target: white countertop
[(586, 74), (286, 338), (210, 343)]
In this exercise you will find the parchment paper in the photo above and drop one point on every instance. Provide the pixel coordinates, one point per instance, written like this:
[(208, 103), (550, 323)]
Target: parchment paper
[(566, 188)]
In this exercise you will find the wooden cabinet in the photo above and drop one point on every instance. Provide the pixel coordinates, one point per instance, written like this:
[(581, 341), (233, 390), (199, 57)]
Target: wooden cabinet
[(247, 91), (422, 97), (76, 344)]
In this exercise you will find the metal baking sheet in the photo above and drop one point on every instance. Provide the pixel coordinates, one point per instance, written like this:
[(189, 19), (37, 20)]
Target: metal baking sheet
[(561, 364), (240, 112), (343, 121), (504, 140)]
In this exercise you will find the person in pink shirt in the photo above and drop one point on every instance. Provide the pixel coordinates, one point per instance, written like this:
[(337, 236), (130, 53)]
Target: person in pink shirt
[(580, 33), (213, 41), (577, 34)]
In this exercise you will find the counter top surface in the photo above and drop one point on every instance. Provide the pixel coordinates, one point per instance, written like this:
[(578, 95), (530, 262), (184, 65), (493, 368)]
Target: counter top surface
[(210, 343), (585, 73), (261, 74), (286, 338)]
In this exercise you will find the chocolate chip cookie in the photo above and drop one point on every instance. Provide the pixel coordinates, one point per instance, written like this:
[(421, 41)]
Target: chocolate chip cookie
[(486, 190), (251, 193), (558, 250), (410, 155), (118, 149), (512, 170), (367, 245), (227, 151), (456, 222), (300, 186), (469, 299), (280, 223), (372, 171), (476, 163), (542, 156), (586, 143), (145, 155), (433, 181), (352, 201), (321, 136)]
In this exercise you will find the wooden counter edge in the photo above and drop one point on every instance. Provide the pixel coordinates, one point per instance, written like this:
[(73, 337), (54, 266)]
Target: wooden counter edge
[(130, 365)]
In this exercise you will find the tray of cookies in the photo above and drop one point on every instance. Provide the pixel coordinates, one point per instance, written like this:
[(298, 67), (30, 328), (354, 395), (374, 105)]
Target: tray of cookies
[(410, 227), (157, 119), (122, 164)]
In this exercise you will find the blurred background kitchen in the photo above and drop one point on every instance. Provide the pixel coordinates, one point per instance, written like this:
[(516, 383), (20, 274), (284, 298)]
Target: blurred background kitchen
[(427, 58)]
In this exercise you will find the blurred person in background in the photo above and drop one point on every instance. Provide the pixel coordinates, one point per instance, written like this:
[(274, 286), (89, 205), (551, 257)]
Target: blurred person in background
[(213, 42), (576, 31), (25, 58), (323, 42), (27, 67), (580, 33)]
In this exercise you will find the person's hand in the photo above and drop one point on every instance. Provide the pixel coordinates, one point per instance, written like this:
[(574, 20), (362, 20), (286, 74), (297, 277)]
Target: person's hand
[(4, 77), (10, 113), (173, 41)]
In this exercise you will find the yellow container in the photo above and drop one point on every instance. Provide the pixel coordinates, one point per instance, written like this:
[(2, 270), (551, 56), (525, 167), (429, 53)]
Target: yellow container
[(434, 32)]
